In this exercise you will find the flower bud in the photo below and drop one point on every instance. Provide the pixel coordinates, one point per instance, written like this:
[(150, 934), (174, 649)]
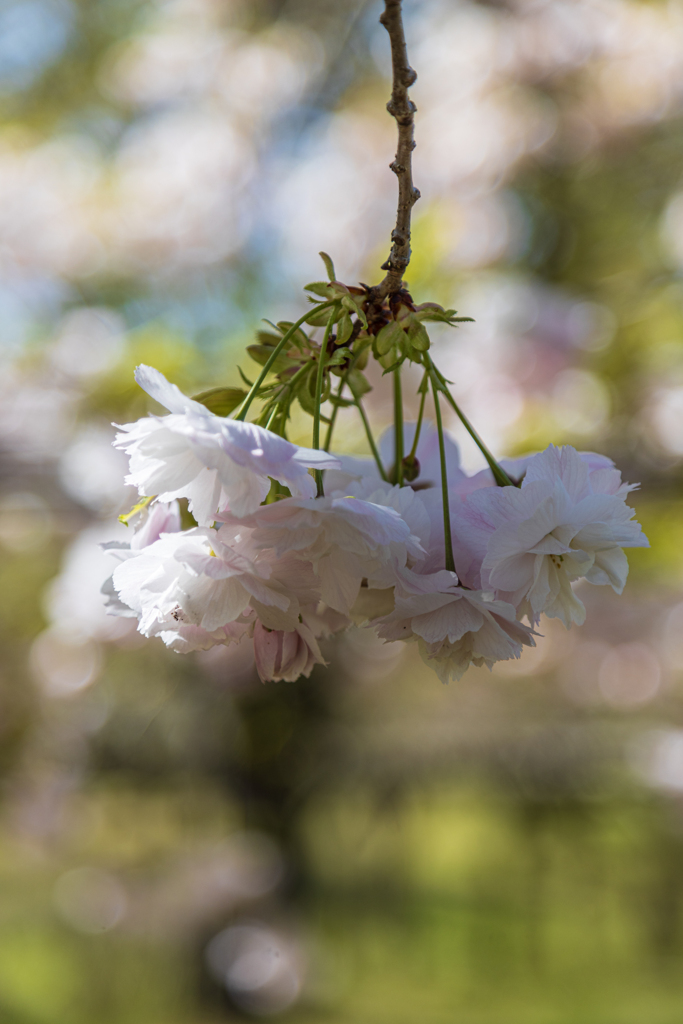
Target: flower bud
[(411, 468)]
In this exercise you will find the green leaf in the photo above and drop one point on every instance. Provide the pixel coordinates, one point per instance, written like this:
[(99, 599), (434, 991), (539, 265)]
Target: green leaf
[(345, 329), (338, 358), (299, 337), (266, 338), (417, 334), (306, 394), (389, 358), (350, 303), (139, 507), (343, 403), (329, 265), (391, 334), (221, 401), (246, 380), (394, 366), (436, 314), (358, 383), (306, 401), (262, 353), (319, 288)]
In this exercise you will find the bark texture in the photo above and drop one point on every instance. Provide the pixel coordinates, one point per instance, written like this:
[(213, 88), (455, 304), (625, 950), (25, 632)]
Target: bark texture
[(401, 107)]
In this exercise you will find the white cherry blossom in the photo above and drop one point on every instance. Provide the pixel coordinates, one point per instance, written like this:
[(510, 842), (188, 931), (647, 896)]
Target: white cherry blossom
[(345, 539), (185, 637), (202, 577), (215, 462), (568, 520), (157, 519), (455, 627)]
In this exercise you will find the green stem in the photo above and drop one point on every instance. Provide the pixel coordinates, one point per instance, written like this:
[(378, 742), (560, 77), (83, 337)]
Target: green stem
[(418, 426), (319, 395), (499, 474), (271, 359), (448, 540), (371, 440), (273, 415), (398, 428), (333, 417), (286, 402)]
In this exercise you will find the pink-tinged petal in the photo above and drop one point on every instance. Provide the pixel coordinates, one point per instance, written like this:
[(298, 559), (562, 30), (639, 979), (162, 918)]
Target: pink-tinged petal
[(611, 568), (546, 584), (340, 580), (491, 508), (265, 594), (153, 475), (214, 603), (314, 459), (167, 394), (451, 622), (511, 572), (351, 470), (608, 481), (163, 517), (267, 651), (203, 495), (277, 618), (566, 606), (409, 582), (596, 462), (563, 464), (188, 638)]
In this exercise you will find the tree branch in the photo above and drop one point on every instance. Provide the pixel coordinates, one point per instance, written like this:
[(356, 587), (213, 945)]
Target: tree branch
[(401, 107)]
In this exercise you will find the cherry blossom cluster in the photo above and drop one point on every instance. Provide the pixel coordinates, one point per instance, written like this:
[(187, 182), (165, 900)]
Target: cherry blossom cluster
[(289, 557)]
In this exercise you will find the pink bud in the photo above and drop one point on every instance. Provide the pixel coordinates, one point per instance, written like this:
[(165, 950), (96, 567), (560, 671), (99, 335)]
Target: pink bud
[(285, 655)]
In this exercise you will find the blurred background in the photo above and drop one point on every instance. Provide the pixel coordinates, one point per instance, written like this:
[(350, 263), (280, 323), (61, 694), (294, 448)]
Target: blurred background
[(180, 844)]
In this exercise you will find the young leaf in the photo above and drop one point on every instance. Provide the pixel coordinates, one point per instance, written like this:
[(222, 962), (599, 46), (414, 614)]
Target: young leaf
[(338, 358), (345, 329), (430, 312), (306, 395), (266, 338), (394, 366), (390, 358), (299, 337), (321, 288), (417, 335), (354, 307), (262, 353), (329, 265), (358, 384), (221, 401), (391, 334)]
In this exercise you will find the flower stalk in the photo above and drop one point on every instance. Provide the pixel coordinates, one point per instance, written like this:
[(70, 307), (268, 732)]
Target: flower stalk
[(277, 351), (439, 381), (398, 428), (448, 540), (319, 395), (423, 389)]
